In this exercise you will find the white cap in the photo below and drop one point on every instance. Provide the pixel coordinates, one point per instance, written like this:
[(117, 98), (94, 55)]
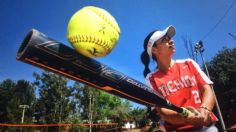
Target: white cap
[(169, 31)]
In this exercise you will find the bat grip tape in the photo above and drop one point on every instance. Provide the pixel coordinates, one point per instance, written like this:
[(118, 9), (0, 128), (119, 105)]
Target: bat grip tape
[(185, 113)]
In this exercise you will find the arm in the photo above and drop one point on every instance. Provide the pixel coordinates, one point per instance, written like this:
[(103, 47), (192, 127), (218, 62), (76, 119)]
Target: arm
[(208, 99), (207, 95), (170, 116), (208, 102), (175, 118), (207, 105)]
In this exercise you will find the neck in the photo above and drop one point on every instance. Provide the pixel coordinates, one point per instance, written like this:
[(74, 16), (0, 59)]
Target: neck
[(165, 64)]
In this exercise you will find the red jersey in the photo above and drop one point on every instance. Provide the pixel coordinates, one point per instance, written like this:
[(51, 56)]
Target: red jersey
[(180, 84)]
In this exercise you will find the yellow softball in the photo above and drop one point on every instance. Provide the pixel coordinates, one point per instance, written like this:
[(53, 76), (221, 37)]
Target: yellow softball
[(93, 31)]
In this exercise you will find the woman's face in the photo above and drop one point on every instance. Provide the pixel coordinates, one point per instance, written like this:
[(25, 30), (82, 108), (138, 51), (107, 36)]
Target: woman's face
[(164, 47)]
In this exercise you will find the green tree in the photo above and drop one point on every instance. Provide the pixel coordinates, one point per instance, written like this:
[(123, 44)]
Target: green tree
[(81, 97), (12, 95), (139, 116), (103, 105), (53, 104), (222, 70), (5, 95)]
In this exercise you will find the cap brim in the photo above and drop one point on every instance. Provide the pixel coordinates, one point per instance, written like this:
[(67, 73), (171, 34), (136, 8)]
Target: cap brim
[(169, 31)]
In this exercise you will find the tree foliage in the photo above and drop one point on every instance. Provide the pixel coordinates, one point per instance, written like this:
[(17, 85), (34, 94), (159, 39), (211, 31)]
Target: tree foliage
[(103, 106), (53, 103), (222, 69), (139, 116), (12, 95)]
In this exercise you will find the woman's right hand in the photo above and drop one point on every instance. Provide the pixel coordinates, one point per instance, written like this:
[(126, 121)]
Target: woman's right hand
[(195, 118)]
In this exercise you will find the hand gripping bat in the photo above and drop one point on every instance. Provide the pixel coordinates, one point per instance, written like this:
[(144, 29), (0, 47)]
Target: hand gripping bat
[(41, 51)]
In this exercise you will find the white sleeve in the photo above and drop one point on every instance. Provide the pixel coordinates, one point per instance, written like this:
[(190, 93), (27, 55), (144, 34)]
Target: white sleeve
[(202, 74)]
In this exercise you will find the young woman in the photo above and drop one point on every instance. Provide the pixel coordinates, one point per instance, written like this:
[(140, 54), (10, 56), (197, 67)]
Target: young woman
[(181, 82)]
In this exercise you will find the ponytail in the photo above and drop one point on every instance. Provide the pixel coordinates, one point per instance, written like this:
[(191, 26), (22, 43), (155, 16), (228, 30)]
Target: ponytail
[(145, 60), (145, 57)]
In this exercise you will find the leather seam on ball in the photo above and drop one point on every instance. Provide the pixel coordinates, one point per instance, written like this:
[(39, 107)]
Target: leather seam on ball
[(91, 39), (105, 19)]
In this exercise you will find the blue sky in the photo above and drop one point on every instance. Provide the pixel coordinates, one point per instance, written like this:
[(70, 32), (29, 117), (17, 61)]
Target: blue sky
[(136, 18)]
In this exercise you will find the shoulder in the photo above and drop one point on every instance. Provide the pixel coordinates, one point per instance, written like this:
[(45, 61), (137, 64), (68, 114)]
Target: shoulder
[(151, 74), (188, 60)]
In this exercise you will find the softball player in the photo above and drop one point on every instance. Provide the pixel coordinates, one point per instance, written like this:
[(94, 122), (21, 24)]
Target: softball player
[(181, 82)]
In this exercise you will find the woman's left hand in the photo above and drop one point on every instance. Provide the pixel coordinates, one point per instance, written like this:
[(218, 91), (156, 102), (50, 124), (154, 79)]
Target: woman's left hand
[(206, 114)]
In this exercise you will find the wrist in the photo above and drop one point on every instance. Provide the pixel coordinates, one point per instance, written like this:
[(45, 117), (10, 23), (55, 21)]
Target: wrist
[(205, 108)]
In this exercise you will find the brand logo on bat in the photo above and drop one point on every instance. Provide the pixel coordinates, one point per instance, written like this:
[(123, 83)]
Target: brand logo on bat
[(138, 84), (112, 75)]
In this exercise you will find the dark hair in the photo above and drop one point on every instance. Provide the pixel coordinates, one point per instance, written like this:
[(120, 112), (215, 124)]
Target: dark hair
[(145, 57)]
